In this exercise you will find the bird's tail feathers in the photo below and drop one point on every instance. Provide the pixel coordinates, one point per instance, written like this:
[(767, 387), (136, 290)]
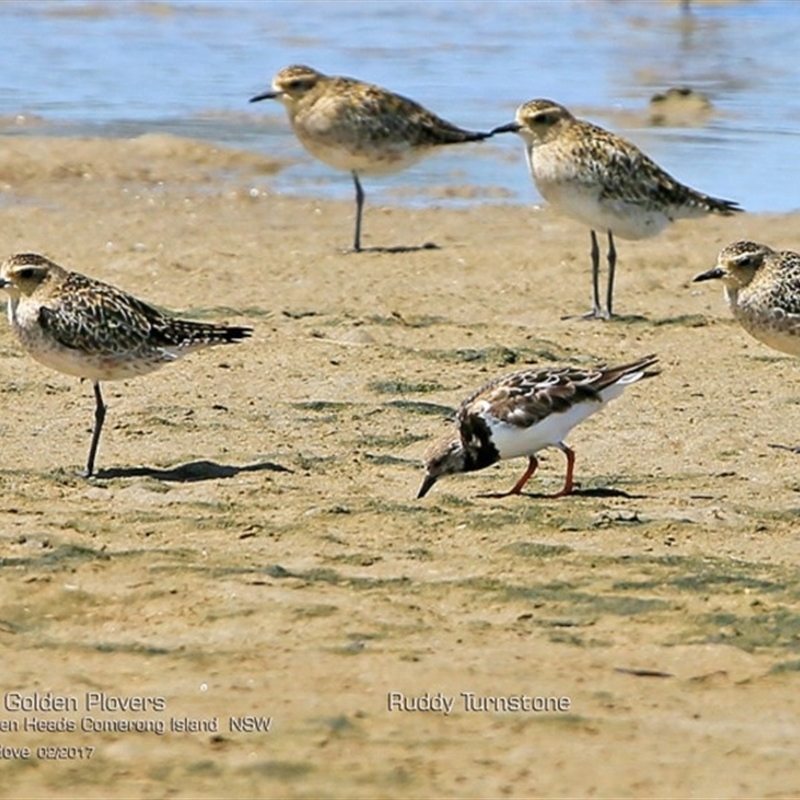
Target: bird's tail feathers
[(632, 372), (185, 333)]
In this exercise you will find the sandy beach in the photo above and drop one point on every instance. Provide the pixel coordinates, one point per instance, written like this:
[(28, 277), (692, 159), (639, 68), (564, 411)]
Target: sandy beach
[(252, 548)]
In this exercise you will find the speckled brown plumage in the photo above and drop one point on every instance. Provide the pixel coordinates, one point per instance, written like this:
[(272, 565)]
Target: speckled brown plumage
[(83, 327), (603, 181), (762, 287), (359, 127)]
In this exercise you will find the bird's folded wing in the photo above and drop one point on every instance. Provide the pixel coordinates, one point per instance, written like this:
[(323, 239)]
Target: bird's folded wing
[(115, 323), (525, 398)]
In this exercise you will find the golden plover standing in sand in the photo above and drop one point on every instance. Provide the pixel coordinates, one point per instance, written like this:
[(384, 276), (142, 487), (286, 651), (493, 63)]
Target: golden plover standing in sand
[(762, 286), (603, 181), (519, 414), (86, 328), (358, 127)]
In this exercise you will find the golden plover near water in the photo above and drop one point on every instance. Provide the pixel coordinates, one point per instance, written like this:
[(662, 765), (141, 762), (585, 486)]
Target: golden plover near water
[(603, 181), (762, 286), (521, 413), (86, 328), (358, 127)]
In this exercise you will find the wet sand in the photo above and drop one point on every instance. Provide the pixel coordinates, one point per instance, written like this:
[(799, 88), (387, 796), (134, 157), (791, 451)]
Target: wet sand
[(252, 546)]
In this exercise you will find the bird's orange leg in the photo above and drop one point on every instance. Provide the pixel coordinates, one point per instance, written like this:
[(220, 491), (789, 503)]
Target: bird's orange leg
[(533, 463), (568, 484)]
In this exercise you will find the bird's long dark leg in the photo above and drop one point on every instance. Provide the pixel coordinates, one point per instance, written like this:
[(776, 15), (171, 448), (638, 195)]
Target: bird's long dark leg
[(518, 486), (612, 264), (595, 313), (99, 417), (359, 209)]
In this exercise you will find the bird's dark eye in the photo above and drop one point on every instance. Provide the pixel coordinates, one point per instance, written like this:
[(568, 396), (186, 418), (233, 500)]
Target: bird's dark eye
[(544, 118), (26, 274), (300, 84)]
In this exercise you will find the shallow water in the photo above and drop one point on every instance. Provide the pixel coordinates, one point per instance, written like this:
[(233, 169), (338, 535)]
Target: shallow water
[(124, 68)]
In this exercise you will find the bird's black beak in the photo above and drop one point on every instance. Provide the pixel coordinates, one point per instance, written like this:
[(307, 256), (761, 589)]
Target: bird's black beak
[(428, 481), (4, 283), (716, 272), (511, 127), (270, 95)]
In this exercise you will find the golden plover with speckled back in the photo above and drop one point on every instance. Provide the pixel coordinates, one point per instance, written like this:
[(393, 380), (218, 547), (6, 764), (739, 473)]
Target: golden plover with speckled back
[(358, 127), (603, 181), (86, 328), (762, 286)]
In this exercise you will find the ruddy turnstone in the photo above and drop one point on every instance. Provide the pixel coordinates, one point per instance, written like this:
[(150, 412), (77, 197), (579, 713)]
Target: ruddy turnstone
[(519, 414), (86, 328), (762, 286), (358, 127), (603, 181)]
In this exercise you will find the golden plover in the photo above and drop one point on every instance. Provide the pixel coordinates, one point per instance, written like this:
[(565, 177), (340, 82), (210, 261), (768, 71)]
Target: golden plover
[(358, 127), (86, 328), (603, 181), (762, 286)]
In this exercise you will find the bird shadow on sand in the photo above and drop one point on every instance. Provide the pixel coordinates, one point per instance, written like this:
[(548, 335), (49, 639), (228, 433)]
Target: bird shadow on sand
[(791, 448), (399, 248), (607, 491), (599, 491), (628, 319), (191, 472), (618, 319)]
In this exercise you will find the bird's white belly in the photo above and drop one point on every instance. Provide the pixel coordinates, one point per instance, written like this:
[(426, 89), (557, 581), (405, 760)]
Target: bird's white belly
[(624, 219), (563, 184), (513, 441), (95, 367), (82, 364), (357, 151), (777, 330)]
